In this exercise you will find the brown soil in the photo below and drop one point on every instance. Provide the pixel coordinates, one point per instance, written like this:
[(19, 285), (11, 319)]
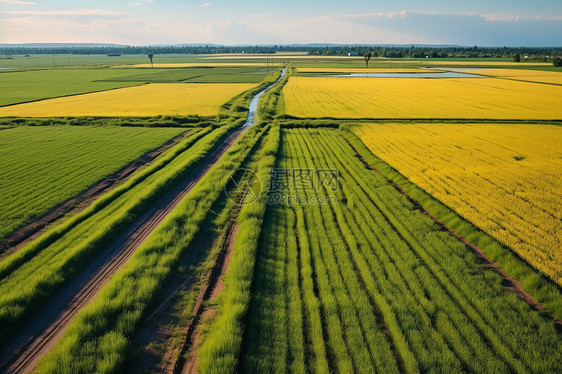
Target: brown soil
[(21, 352), (507, 281), (31, 231)]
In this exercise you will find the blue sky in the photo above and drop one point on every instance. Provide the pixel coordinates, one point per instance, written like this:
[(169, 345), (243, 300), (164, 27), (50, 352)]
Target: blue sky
[(141, 22)]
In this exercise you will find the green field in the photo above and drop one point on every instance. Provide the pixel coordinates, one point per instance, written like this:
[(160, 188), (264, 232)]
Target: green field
[(23, 86), (368, 283), (66, 60), (44, 166), (213, 74), (34, 85)]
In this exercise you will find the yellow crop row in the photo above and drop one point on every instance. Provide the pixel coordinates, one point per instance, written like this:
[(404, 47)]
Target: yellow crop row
[(519, 74), (506, 179), (147, 100), (483, 98)]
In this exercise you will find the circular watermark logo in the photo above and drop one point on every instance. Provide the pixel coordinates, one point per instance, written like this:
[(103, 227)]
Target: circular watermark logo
[(243, 187)]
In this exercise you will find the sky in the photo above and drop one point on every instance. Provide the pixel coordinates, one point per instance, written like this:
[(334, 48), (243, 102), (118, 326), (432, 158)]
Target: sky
[(146, 22)]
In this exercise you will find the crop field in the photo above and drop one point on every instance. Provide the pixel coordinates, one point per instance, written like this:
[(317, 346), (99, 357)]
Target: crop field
[(34, 85), (246, 213), (508, 182), (196, 65), (42, 167), (522, 75), (475, 98), (211, 74), (367, 283), (142, 101)]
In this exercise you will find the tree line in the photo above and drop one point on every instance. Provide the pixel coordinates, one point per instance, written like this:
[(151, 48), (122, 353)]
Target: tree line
[(527, 53)]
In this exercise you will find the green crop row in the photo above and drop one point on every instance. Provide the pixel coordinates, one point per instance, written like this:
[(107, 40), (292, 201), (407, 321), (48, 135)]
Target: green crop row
[(371, 284), (98, 338)]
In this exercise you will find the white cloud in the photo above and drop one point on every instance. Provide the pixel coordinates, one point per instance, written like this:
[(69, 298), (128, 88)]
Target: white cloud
[(401, 27), (513, 17), (206, 4), (17, 2), (57, 13), (491, 17), (137, 3)]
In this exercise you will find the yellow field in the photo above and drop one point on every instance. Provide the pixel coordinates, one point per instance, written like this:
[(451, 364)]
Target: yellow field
[(523, 75), (484, 98), (148, 100), (472, 168), (364, 70), (195, 65)]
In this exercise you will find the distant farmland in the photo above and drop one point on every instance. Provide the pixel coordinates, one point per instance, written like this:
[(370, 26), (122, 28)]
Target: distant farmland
[(403, 98), (142, 101)]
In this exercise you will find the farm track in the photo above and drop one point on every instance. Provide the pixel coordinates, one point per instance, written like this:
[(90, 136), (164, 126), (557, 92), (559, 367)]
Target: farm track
[(507, 281), (31, 231), (21, 353)]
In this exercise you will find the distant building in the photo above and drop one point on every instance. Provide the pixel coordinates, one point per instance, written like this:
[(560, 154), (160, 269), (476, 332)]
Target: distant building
[(114, 55), (353, 54)]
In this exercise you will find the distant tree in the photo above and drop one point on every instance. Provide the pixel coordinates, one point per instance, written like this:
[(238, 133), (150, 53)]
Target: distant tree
[(367, 57), (150, 57), (517, 57), (557, 62)]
